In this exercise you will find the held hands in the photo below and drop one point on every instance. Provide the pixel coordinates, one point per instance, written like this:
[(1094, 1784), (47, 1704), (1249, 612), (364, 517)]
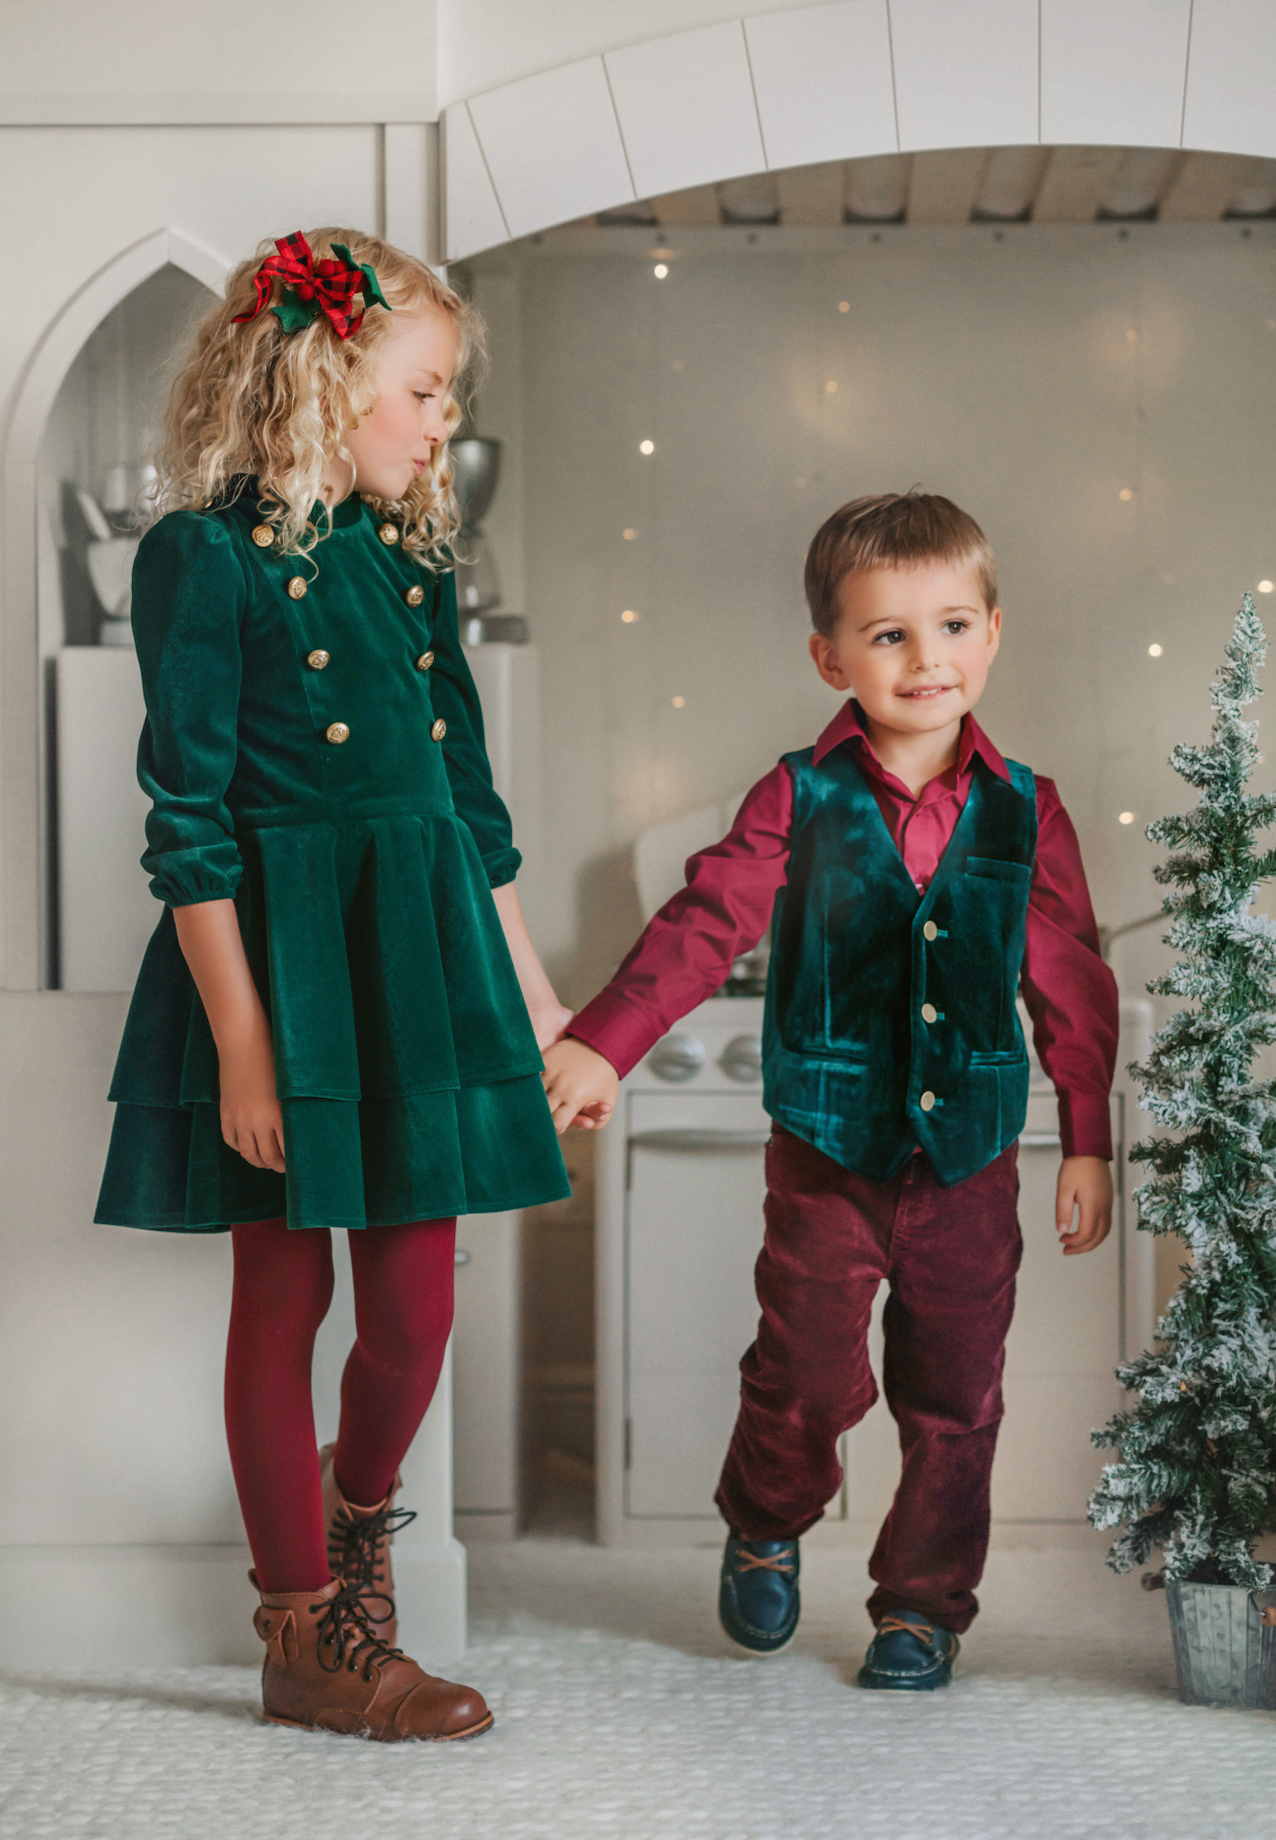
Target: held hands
[(580, 1084), (1085, 1185)]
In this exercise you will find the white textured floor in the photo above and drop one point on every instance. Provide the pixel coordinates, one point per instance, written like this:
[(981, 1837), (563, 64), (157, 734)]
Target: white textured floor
[(621, 1714)]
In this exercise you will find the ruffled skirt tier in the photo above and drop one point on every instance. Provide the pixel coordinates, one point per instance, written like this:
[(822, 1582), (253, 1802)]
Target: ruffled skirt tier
[(405, 1063)]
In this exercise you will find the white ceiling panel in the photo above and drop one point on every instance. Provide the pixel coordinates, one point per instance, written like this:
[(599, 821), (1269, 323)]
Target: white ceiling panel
[(823, 81), (965, 76), (1112, 71), (1231, 77), (474, 218), (686, 109), (553, 146)]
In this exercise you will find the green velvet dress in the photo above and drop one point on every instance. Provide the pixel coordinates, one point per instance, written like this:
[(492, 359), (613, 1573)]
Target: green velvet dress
[(314, 749)]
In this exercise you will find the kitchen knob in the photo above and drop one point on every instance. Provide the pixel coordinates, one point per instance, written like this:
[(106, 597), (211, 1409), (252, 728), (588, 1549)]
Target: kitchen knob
[(677, 1058), (742, 1058)]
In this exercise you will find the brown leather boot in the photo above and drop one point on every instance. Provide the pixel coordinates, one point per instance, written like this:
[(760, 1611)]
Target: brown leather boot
[(327, 1669), (359, 1545)]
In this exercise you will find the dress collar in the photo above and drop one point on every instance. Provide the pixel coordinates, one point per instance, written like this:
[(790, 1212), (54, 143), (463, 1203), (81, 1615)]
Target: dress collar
[(847, 726)]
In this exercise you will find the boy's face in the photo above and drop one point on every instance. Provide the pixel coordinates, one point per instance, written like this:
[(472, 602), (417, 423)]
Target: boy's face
[(914, 645)]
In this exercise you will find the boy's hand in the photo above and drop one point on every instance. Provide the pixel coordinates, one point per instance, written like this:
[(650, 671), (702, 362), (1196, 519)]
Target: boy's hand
[(580, 1084), (1085, 1184)]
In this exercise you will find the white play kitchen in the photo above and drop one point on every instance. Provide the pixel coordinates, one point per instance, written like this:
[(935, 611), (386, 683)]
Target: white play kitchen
[(679, 1226)]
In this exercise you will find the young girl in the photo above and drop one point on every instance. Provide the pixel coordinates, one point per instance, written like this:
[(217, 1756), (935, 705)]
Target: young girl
[(339, 1017)]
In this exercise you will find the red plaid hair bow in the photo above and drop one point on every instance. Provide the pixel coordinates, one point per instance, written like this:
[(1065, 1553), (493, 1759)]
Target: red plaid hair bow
[(312, 288)]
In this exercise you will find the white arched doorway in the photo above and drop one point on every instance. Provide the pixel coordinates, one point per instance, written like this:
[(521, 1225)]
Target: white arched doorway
[(20, 759)]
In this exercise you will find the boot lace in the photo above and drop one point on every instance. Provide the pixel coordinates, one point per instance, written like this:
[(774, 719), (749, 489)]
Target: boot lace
[(346, 1629), (356, 1544)]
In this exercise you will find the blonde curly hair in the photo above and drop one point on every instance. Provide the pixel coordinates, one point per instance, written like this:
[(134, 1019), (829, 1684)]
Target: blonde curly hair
[(254, 401)]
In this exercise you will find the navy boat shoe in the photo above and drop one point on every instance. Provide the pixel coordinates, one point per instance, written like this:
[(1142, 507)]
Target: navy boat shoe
[(758, 1597), (909, 1654)]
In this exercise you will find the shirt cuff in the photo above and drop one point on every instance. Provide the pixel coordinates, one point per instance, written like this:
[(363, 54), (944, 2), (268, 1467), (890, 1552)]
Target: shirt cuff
[(1085, 1125), (615, 1029)]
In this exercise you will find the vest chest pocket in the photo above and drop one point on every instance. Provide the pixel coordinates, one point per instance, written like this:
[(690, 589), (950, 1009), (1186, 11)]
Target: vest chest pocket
[(992, 869)]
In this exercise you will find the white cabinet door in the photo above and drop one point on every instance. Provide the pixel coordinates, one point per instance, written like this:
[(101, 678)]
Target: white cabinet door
[(694, 1233), (485, 1365)]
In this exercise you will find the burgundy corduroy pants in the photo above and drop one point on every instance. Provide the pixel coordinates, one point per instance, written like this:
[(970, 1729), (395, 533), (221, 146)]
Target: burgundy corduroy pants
[(950, 1256)]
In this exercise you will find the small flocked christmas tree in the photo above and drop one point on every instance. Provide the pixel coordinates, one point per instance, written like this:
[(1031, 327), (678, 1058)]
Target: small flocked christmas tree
[(1196, 1468)]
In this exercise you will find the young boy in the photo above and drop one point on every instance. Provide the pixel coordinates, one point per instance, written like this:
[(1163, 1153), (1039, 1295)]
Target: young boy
[(915, 881)]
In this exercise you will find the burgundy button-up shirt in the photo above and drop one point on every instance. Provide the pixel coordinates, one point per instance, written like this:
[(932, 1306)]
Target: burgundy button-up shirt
[(688, 948)]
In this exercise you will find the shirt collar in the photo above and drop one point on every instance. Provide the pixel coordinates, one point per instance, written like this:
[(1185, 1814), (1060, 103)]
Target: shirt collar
[(847, 726)]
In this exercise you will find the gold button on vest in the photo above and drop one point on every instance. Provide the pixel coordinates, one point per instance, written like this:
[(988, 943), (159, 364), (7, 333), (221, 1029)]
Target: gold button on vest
[(929, 1013), (319, 661), (337, 732), (439, 730), (424, 662), (930, 930), (415, 596), (388, 534), (263, 536), (927, 1101), (297, 588)]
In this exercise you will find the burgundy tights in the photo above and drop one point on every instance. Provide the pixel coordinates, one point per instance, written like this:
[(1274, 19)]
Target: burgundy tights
[(282, 1290)]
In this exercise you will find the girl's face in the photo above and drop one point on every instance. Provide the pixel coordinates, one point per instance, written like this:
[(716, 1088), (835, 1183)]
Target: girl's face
[(395, 441)]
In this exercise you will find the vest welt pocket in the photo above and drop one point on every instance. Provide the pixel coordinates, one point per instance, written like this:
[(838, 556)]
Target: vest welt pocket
[(818, 1053), (999, 1057), (994, 870)]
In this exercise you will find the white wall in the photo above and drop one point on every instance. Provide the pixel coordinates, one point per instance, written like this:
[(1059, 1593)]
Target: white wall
[(149, 61), (995, 366)]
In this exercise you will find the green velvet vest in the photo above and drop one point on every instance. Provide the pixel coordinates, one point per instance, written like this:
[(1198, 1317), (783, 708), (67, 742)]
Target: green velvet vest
[(890, 1014)]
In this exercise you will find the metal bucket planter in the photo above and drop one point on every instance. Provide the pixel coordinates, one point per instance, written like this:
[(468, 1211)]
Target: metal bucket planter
[(1224, 1645)]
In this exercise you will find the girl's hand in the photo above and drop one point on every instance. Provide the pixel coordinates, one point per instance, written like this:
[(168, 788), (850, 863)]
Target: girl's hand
[(1085, 1184), (252, 1118), (581, 1085), (549, 1020)]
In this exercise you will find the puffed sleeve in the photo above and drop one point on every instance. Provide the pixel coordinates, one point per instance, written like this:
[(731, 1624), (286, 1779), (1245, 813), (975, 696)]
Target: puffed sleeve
[(189, 598), (454, 697)]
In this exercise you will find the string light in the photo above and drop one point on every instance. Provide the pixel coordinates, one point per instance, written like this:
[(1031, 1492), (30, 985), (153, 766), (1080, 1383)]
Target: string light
[(680, 702), (1265, 587), (629, 535), (1154, 651), (1126, 817), (646, 447), (660, 270), (629, 616), (843, 306), (1126, 495), (830, 388)]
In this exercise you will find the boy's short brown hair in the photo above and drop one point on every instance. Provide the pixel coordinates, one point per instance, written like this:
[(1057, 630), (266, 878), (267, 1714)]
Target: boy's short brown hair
[(892, 530)]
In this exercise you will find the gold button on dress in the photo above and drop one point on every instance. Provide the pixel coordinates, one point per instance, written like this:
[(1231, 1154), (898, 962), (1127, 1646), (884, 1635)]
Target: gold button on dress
[(415, 596), (424, 662), (297, 588), (337, 733), (388, 534), (319, 661), (930, 930), (263, 536), (439, 730), (929, 1013), (927, 1101)]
